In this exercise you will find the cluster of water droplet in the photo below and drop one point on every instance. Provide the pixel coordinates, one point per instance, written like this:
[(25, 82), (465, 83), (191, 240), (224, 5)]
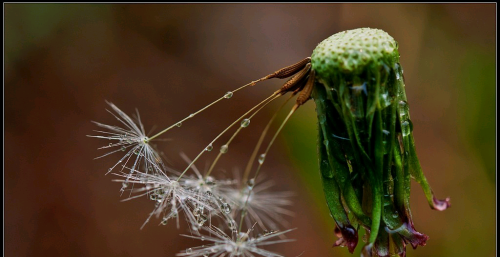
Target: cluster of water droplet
[(404, 117), (157, 195)]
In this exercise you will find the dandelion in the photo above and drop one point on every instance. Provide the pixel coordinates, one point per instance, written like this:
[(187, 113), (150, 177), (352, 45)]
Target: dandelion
[(366, 146), (366, 149), (238, 244)]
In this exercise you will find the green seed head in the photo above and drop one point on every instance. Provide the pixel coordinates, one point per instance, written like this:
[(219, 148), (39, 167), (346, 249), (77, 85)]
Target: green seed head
[(352, 51)]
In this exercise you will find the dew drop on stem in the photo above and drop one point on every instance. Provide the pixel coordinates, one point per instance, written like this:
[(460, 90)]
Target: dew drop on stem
[(262, 158), (245, 123)]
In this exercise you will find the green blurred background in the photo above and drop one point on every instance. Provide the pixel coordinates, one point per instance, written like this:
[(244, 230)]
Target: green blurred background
[(63, 60)]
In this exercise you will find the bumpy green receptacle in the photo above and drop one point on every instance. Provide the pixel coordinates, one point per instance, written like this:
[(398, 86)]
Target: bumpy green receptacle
[(366, 147)]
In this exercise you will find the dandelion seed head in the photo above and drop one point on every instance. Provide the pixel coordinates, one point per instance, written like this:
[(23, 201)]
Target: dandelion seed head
[(171, 197), (262, 206), (130, 138), (238, 244)]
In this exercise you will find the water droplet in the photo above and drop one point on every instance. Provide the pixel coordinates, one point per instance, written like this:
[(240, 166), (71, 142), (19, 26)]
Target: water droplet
[(179, 124), (110, 169), (403, 109), (245, 123), (226, 208), (209, 148), (405, 128), (152, 197), (123, 148), (124, 185), (228, 95), (202, 219), (395, 214), (189, 250), (251, 183), (164, 221), (224, 149), (191, 115), (386, 132), (262, 158), (210, 181), (202, 238), (231, 224)]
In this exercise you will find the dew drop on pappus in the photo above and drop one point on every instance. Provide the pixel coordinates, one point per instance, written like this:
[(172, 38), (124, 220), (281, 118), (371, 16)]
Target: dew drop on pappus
[(251, 183), (226, 208)]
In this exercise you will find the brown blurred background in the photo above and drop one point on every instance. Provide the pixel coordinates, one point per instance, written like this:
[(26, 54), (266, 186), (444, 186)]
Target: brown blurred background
[(63, 60)]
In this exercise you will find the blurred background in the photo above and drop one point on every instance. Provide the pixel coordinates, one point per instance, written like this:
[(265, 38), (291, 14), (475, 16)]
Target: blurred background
[(62, 61)]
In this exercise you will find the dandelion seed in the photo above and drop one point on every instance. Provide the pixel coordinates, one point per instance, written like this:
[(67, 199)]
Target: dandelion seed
[(238, 244), (172, 198), (209, 190), (132, 137), (265, 207)]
